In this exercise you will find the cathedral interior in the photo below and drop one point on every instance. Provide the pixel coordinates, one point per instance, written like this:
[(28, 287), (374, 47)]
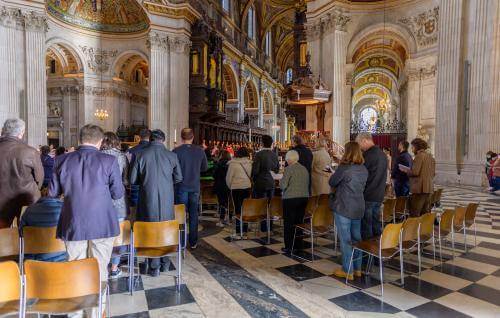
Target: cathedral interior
[(236, 70)]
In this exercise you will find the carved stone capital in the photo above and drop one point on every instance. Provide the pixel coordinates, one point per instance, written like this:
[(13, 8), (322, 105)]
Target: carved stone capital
[(157, 41), (35, 22), (11, 18), (179, 44), (335, 19)]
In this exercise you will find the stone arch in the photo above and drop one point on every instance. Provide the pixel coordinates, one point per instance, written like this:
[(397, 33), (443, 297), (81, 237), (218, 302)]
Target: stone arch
[(267, 103), (69, 56), (251, 98), (229, 83)]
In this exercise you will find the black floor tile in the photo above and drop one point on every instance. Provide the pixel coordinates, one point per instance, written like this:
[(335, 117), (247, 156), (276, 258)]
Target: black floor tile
[(263, 240), (482, 292), (302, 256), (363, 282), (260, 251), (492, 260), (435, 310), (407, 267), (489, 245), (423, 288), (459, 272), (359, 301), (484, 234), (167, 297), (120, 285), (143, 314), (300, 272)]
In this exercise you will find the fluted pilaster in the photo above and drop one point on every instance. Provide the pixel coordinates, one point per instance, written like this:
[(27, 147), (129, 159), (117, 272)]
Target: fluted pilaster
[(493, 138), (340, 132)]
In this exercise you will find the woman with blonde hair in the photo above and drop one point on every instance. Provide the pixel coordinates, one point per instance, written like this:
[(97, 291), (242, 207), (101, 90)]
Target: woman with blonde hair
[(349, 181), (319, 173)]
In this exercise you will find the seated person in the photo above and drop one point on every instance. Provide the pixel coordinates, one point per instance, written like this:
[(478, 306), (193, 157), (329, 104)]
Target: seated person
[(44, 213)]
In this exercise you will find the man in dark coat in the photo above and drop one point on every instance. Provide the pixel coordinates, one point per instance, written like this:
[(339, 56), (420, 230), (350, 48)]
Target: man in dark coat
[(89, 180), (376, 164), (305, 155), (21, 172), (145, 135), (155, 171), (400, 178)]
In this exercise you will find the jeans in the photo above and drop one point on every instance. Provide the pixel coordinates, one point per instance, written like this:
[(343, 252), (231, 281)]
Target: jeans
[(349, 232), (223, 199), (155, 263), (370, 224), (401, 188), (191, 200), (495, 183)]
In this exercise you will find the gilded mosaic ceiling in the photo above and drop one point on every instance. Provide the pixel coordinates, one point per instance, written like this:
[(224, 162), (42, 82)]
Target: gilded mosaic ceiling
[(113, 16)]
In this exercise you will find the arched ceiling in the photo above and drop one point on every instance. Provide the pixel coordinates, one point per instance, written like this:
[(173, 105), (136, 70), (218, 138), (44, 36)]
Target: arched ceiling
[(111, 16)]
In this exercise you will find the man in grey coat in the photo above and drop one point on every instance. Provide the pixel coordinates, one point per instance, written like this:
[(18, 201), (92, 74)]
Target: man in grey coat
[(155, 170)]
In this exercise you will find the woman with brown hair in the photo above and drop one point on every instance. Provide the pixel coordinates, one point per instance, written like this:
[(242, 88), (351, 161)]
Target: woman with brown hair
[(349, 182)]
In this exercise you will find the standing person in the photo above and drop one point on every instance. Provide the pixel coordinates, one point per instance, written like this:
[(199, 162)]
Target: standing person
[(401, 179), (145, 136), (295, 193), (376, 164), (60, 151), (193, 162), (421, 178), (305, 154), (239, 181), (155, 171), (21, 172), (111, 146), (490, 161), (319, 173), (48, 165), (496, 175), (349, 181), (221, 188), (89, 180)]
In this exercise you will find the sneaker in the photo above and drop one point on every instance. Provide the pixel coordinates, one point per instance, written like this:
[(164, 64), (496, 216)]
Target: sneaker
[(115, 274), (164, 268), (340, 273), (154, 272), (220, 224)]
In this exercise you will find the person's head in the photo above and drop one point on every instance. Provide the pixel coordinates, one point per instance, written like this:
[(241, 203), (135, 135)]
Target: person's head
[(91, 135), (403, 146), (418, 144), (491, 155), (60, 151), (292, 157), (145, 134), (365, 140), (387, 151), (297, 140), (13, 127), (110, 141), (242, 152), (45, 150), (224, 155), (352, 154), (158, 135), (267, 141), (187, 135)]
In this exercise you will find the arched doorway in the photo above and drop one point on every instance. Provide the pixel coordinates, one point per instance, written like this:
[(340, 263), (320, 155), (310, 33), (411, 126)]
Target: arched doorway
[(230, 87), (251, 104)]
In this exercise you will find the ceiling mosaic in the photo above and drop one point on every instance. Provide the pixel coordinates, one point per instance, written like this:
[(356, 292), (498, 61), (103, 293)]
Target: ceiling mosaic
[(112, 16)]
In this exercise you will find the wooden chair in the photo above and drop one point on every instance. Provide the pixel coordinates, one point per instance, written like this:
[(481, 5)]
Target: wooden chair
[(312, 203), (464, 218), (9, 244), (445, 229), (470, 220), (427, 231), (323, 200), (11, 300), (384, 247), (207, 197), (39, 240), (321, 224), (57, 288), (156, 240), (181, 217), (252, 211), (401, 207), (388, 211), (276, 208), (125, 239), (410, 238), (436, 202)]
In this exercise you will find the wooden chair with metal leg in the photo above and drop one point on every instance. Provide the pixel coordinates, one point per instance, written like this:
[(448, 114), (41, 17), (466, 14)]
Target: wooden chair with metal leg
[(11, 300), (276, 208), (125, 239), (312, 203), (470, 219), (208, 197), (387, 246), (438, 193), (388, 211), (9, 244), (156, 240), (465, 217), (253, 211), (410, 238), (323, 199), (321, 224), (59, 288), (38, 240), (427, 232), (181, 217), (445, 229), (401, 208)]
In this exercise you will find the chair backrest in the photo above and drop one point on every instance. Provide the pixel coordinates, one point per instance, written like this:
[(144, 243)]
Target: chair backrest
[(9, 242), (410, 229), (459, 218), (125, 231), (390, 235), (439, 193), (60, 280), (254, 208), (432, 199), (38, 240), (180, 213), (388, 210), (323, 200), (312, 203), (322, 216), (427, 224), (11, 281), (445, 223), (470, 214), (208, 196), (401, 203), (276, 207), (156, 234)]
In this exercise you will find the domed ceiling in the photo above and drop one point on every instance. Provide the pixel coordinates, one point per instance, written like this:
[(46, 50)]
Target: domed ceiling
[(113, 16)]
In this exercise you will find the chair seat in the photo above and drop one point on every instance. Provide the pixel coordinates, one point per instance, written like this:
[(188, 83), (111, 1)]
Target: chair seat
[(253, 218), (62, 306), (9, 307), (306, 227), (372, 246), (154, 252), (425, 238), (408, 244), (9, 258)]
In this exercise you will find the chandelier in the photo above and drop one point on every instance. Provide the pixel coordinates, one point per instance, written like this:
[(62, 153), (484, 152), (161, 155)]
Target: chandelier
[(383, 104), (101, 114)]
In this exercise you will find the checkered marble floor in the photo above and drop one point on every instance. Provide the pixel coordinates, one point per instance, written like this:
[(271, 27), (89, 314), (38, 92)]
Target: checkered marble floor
[(466, 285)]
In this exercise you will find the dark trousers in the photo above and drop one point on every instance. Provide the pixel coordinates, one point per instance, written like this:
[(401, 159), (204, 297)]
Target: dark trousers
[(223, 199), (370, 224), (420, 203), (401, 188), (293, 213), (191, 200), (259, 194), (238, 196), (155, 263)]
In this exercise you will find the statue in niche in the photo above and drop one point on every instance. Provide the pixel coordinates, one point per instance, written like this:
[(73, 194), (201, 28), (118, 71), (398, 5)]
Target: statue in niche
[(422, 133), (54, 110)]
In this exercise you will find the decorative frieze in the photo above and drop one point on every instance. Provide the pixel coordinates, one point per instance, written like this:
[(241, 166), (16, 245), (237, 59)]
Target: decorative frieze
[(424, 26), (35, 22), (97, 58), (335, 19), (425, 72), (179, 44)]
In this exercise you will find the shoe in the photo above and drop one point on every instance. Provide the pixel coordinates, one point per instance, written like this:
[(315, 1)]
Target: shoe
[(154, 272), (143, 268), (358, 273), (115, 274), (340, 273), (286, 251), (220, 224), (164, 268), (194, 246)]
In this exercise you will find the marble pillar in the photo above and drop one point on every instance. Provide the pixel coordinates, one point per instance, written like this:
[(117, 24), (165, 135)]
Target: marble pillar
[(493, 119), (340, 132)]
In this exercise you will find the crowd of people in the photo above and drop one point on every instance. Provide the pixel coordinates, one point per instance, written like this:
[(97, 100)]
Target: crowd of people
[(492, 171), (84, 190)]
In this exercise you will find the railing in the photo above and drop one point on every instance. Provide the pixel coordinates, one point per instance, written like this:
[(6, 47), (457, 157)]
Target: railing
[(390, 127)]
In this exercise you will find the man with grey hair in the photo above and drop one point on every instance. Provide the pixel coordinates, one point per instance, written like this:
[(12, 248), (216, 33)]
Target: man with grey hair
[(21, 172), (376, 164)]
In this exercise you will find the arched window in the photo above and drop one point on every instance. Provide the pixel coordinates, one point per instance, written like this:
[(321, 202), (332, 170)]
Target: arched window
[(226, 5), (289, 75), (268, 43), (251, 23)]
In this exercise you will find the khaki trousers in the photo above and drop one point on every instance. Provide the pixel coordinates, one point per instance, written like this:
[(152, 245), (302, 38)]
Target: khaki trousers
[(420, 203)]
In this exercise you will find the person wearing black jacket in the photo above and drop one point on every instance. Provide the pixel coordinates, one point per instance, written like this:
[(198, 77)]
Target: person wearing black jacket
[(264, 162), (376, 164), (220, 187), (305, 154), (401, 179)]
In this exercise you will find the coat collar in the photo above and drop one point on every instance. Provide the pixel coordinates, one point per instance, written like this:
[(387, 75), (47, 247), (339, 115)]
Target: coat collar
[(87, 148)]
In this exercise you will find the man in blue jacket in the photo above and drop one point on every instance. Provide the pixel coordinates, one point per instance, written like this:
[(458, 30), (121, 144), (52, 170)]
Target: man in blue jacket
[(400, 178)]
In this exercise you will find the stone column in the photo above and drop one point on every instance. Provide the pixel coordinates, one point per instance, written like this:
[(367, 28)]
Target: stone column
[(67, 111), (36, 82), (493, 120), (340, 132)]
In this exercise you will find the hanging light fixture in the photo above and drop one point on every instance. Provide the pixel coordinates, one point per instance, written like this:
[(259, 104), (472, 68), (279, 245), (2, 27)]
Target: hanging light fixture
[(101, 113)]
